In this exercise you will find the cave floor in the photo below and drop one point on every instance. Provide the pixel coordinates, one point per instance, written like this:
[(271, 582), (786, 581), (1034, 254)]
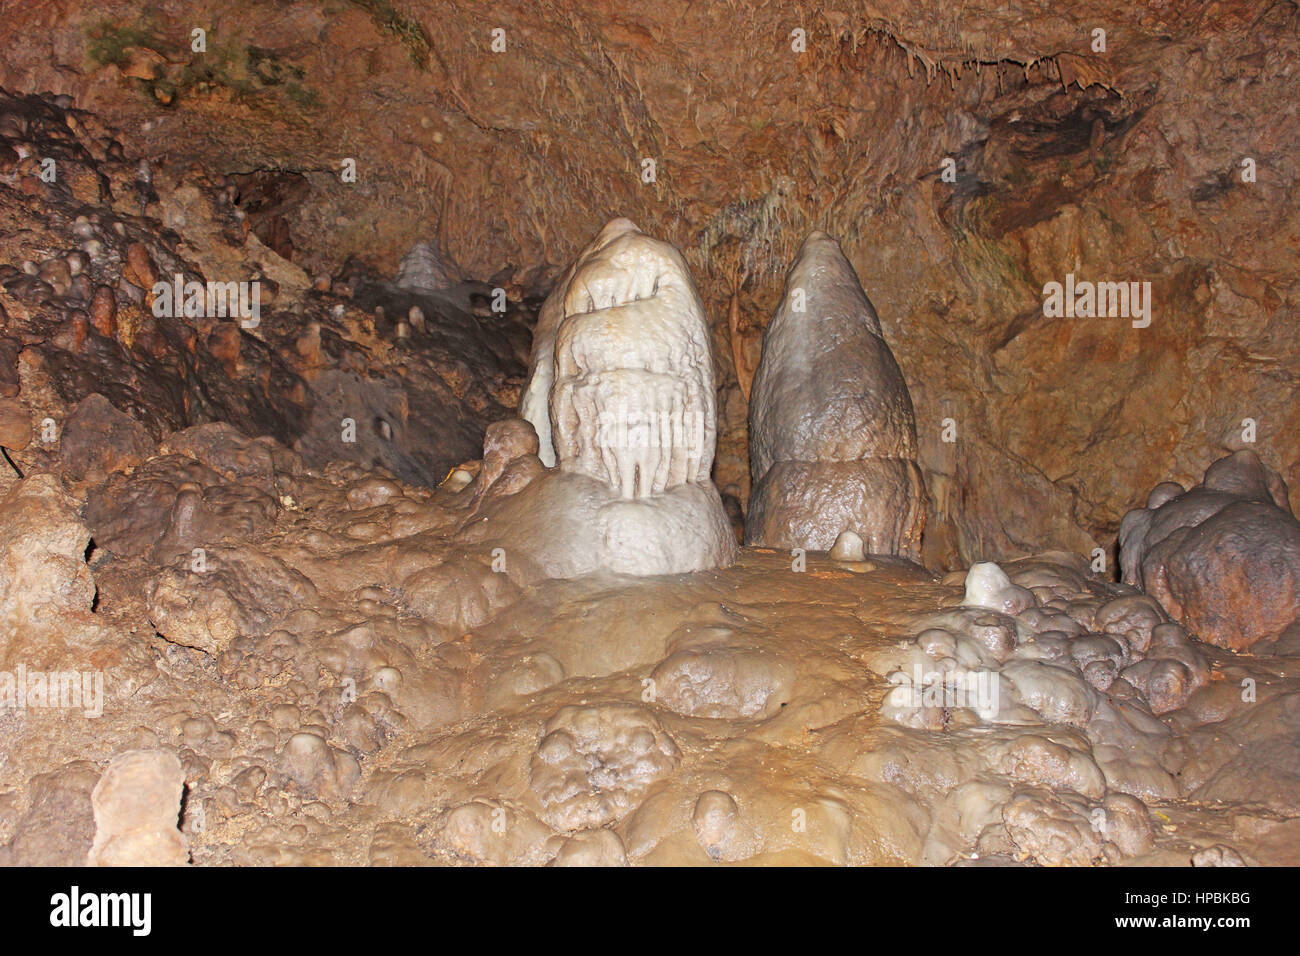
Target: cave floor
[(724, 716)]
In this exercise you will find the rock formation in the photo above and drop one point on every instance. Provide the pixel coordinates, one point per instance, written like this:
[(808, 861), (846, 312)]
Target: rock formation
[(137, 805), (318, 592), (832, 438), (621, 395), (1222, 557), (426, 269)]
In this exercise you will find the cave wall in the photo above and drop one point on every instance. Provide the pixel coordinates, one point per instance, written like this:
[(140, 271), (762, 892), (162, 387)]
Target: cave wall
[(1115, 165)]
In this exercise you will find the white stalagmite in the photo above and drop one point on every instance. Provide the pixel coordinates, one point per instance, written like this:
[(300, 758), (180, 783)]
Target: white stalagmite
[(426, 269), (621, 396)]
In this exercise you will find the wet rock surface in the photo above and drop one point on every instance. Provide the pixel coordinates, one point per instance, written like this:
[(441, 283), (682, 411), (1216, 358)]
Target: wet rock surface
[(848, 712), (1123, 164), (334, 367), (1223, 557), (278, 591), (831, 427)]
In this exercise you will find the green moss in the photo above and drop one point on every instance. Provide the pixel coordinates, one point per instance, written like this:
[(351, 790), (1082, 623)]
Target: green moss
[(108, 42), (406, 29), (248, 71), (302, 95), (269, 68), (243, 68)]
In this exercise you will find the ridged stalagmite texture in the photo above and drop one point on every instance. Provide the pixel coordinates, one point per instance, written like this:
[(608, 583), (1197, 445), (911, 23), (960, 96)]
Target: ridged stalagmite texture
[(426, 269), (621, 395), (621, 379)]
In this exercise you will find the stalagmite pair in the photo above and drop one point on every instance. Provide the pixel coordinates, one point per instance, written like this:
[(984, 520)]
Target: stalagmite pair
[(621, 394)]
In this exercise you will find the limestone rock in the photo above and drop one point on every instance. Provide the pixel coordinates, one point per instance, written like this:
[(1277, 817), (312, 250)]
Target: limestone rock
[(832, 435), (1223, 558), (43, 572), (137, 805)]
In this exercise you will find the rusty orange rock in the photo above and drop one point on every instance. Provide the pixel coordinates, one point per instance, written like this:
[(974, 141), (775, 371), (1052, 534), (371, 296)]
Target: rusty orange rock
[(103, 312), (139, 266)]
